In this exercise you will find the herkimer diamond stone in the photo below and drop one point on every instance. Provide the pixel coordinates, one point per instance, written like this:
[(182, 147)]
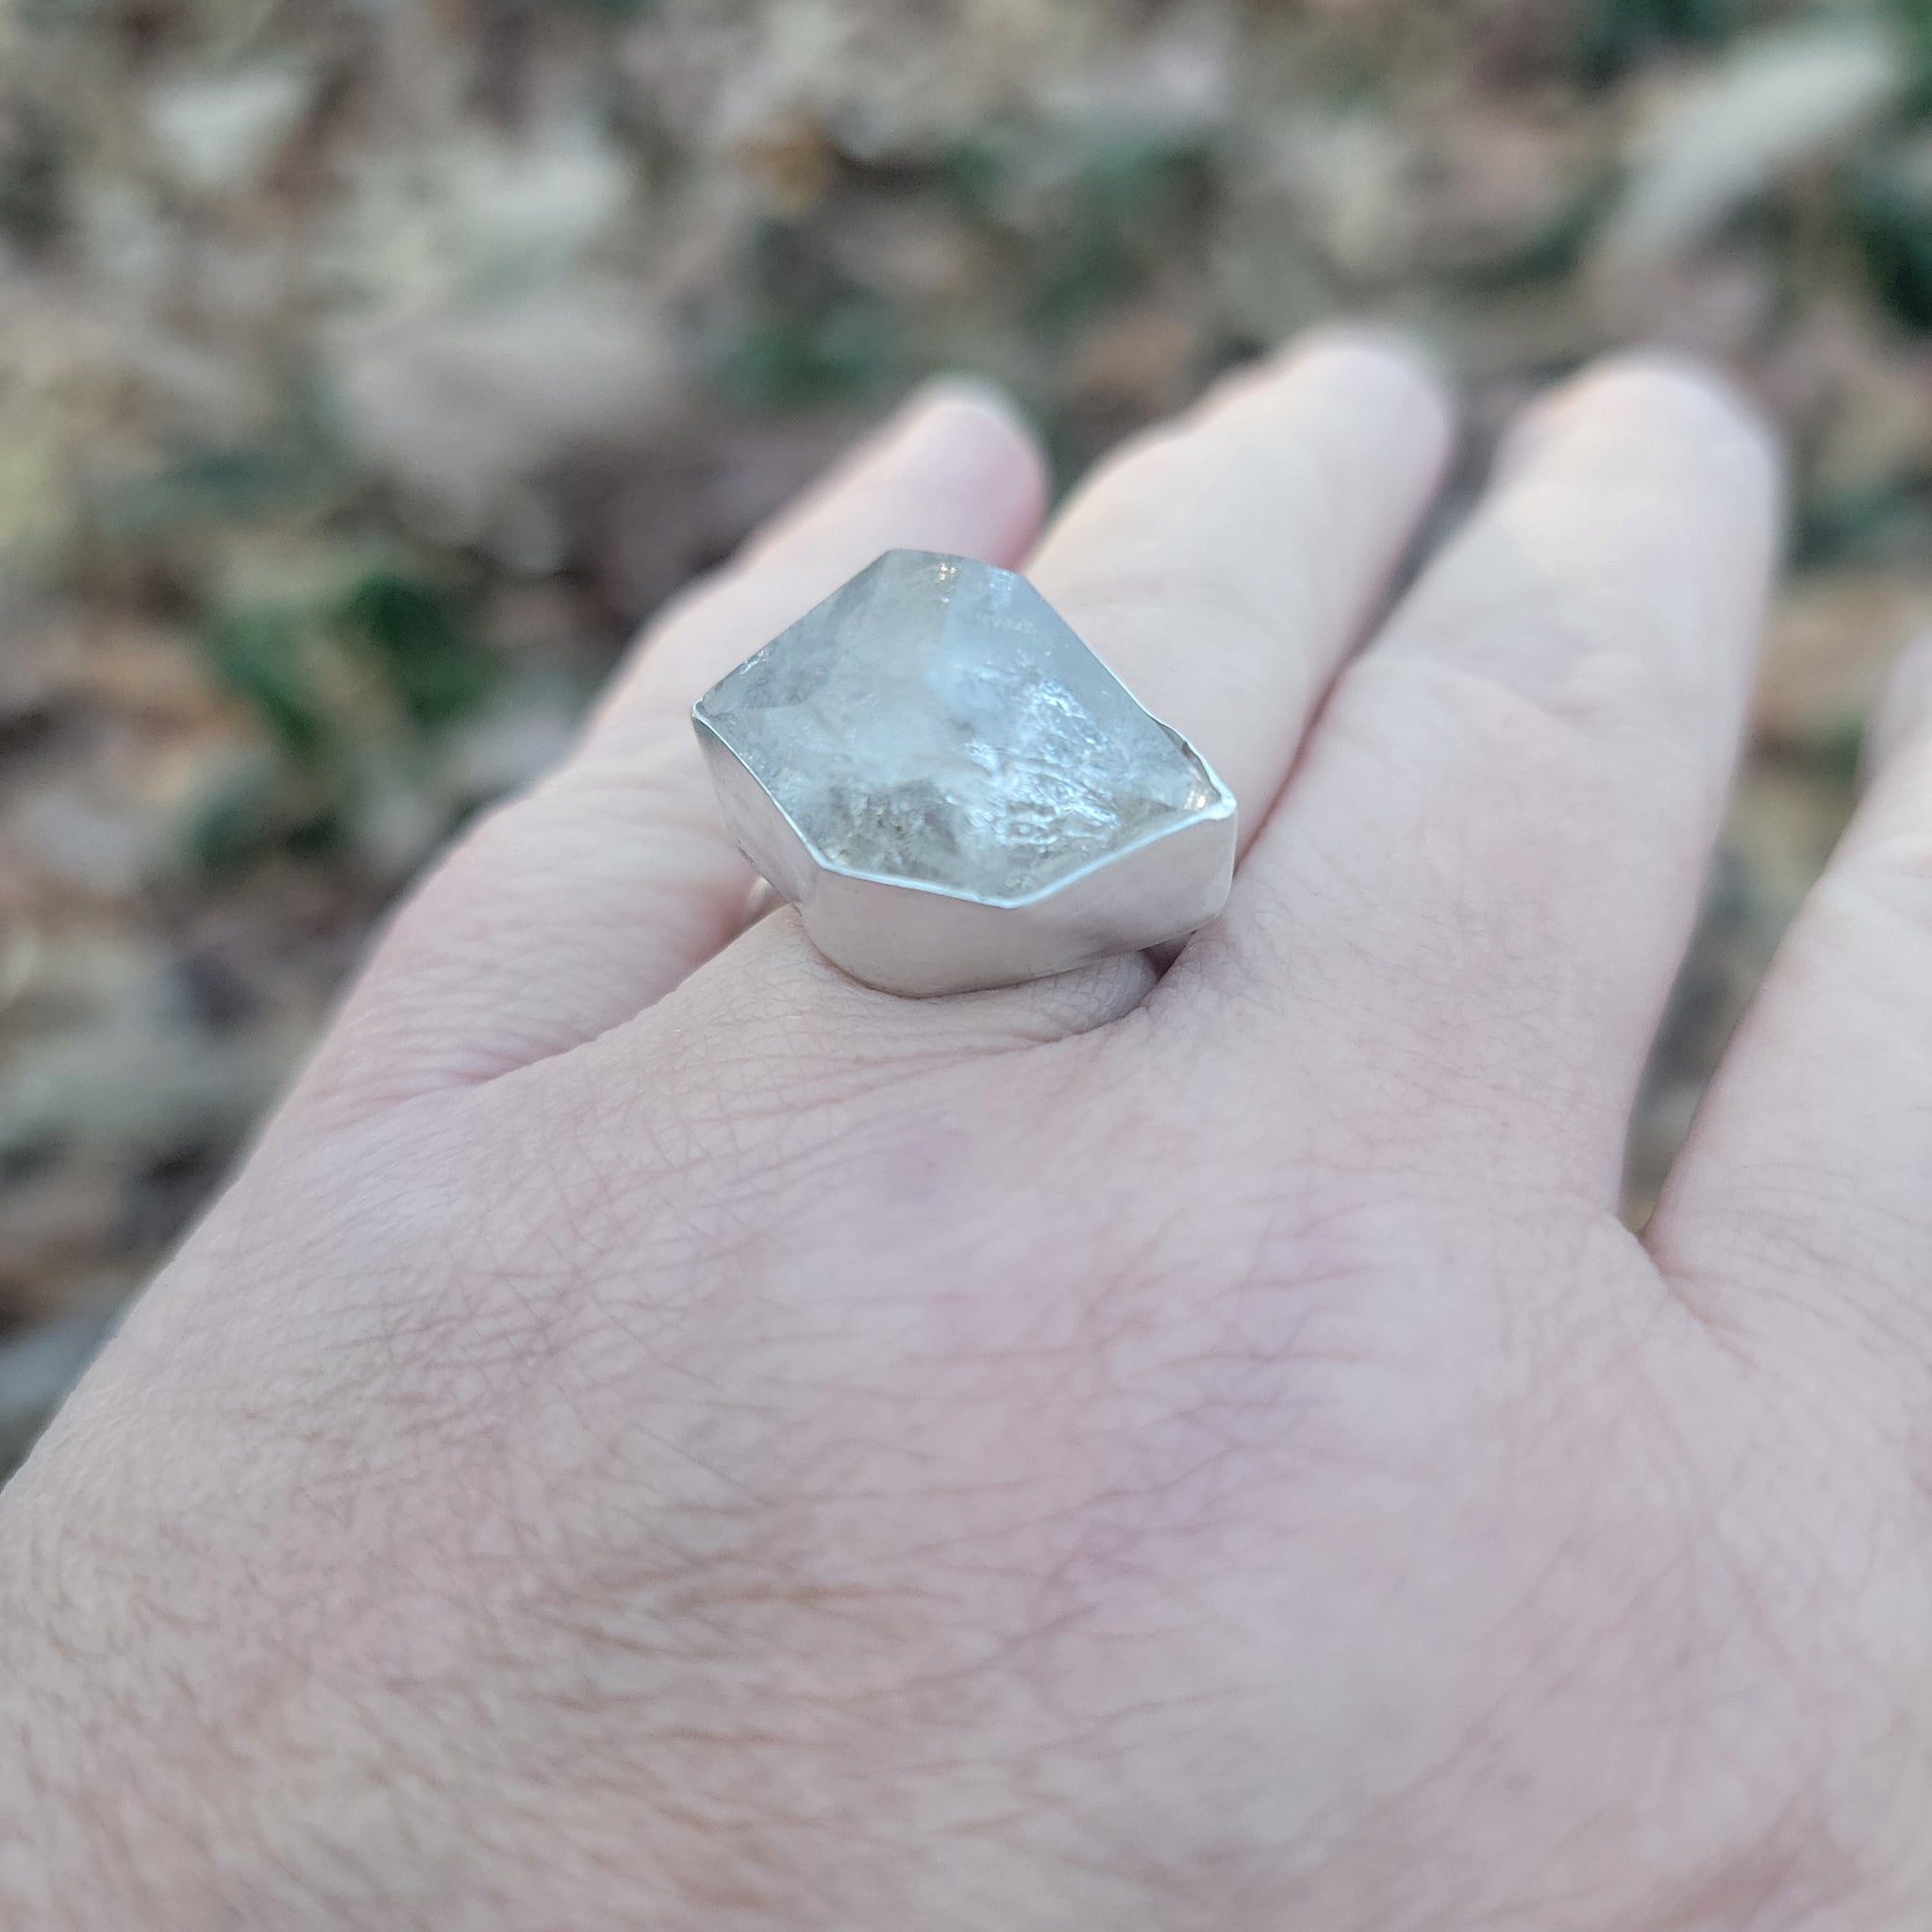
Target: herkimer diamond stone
[(936, 725)]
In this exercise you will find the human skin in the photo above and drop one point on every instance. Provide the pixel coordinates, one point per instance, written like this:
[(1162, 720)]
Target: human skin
[(660, 1435)]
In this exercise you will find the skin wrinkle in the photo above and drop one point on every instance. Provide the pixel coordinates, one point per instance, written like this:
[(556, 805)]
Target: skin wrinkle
[(1539, 1675)]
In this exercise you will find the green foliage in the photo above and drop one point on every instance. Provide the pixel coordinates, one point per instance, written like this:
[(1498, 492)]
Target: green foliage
[(1612, 35), (614, 12), (1912, 20), (1836, 527), (389, 662), (812, 334), (1128, 203), (262, 655), (417, 640), (1119, 204), (33, 176), (1085, 222), (972, 173), (61, 13), (1891, 224), (788, 363), (1556, 250), (257, 811), (1841, 755), (295, 462)]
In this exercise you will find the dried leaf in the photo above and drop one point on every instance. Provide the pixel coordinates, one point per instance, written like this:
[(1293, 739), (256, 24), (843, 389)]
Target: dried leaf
[(1782, 100), (218, 131)]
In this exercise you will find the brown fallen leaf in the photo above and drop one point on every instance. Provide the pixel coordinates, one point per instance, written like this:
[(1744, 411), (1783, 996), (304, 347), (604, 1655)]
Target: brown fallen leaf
[(1831, 643)]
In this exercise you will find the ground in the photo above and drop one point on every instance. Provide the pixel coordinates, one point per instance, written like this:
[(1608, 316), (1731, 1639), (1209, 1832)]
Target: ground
[(368, 374)]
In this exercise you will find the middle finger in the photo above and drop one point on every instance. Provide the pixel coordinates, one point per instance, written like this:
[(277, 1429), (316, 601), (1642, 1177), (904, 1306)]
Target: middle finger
[(1463, 921), (1223, 565)]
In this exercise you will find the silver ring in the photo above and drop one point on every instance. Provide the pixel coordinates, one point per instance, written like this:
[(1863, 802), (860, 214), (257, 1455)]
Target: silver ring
[(954, 791)]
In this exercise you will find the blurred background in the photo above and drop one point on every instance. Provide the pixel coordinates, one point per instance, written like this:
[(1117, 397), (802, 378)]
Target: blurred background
[(369, 371)]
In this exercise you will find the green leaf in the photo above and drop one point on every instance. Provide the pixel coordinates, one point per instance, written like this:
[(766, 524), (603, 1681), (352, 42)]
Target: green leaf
[(1913, 21), (619, 12), (233, 825), (261, 807), (1832, 529), (259, 655), (33, 176), (971, 174), (296, 460), (1131, 199), (1891, 222), (811, 334), (419, 642), (1556, 250), (1614, 35), (1842, 753)]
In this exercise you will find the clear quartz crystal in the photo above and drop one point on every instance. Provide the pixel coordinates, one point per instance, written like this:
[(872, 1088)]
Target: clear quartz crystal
[(936, 722)]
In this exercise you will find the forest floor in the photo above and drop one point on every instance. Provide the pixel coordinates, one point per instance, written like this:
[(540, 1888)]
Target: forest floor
[(368, 374)]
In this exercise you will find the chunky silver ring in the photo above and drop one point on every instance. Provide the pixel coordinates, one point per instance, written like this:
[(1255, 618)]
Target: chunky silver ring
[(954, 791)]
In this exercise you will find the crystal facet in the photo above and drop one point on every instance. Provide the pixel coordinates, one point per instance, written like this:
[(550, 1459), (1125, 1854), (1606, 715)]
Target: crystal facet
[(936, 725)]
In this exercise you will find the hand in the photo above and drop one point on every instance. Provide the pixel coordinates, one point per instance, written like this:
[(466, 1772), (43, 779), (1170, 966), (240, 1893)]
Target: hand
[(661, 1435)]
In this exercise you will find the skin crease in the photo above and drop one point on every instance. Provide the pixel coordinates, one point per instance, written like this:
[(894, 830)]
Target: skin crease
[(658, 1434)]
